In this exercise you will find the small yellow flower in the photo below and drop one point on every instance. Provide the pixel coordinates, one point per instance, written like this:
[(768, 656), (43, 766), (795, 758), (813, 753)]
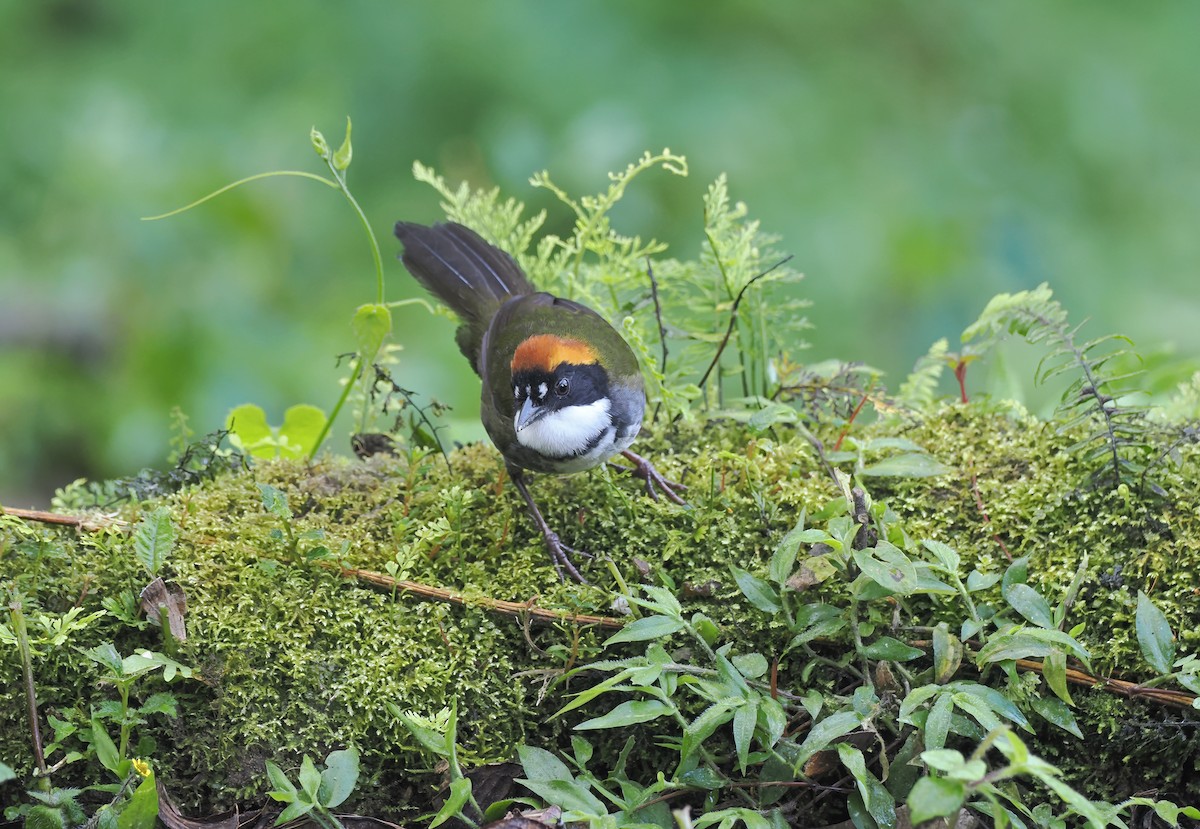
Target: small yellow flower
[(141, 767)]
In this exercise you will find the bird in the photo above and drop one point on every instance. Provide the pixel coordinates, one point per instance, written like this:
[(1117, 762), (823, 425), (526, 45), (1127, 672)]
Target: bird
[(562, 392)]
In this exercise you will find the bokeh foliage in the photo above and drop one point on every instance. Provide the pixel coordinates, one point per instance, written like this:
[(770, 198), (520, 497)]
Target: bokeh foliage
[(916, 157)]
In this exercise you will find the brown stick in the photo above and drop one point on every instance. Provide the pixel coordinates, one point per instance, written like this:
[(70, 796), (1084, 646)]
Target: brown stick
[(81, 522), (1121, 687), (518, 609)]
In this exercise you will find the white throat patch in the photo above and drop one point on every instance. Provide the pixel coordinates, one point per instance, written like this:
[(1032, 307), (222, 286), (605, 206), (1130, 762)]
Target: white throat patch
[(568, 432)]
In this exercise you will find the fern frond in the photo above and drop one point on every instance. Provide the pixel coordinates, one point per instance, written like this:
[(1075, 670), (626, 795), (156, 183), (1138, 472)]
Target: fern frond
[(1119, 434), (920, 387)]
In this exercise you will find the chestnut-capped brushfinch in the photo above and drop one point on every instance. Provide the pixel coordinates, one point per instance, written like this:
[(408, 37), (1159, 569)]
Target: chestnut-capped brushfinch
[(562, 391)]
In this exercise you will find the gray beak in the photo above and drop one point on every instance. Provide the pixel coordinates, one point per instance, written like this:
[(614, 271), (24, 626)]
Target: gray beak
[(528, 414)]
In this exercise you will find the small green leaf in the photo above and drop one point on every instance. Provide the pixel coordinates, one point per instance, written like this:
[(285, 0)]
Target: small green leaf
[(660, 600), (648, 627), (937, 724), (338, 777), (1154, 635), (295, 809), (825, 628), (582, 749), (744, 720), (1016, 573), (888, 566), (703, 727), (372, 323), (706, 627), (947, 654), (771, 414), (341, 158), (1054, 668), (760, 593), (540, 764), (142, 662), (106, 655), (750, 665), (569, 795), (907, 465), (159, 702), (947, 557), (302, 427), (7, 773), (141, 811), (310, 778), (772, 720), (154, 539), (1030, 604), (249, 431), (914, 699), (431, 740), (460, 793), (885, 647), (993, 700), (275, 501), (945, 760), (876, 798), (784, 556), (825, 732), (627, 713), (1055, 712), (106, 749), (318, 142), (977, 581), (702, 777), (934, 797), (284, 789), (1027, 643)]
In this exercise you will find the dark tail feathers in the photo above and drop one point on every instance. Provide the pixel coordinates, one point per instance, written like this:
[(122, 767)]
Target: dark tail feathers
[(458, 267)]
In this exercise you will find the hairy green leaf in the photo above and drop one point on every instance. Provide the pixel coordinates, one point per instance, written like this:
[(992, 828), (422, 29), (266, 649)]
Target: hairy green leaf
[(154, 539), (934, 797), (627, 713), (760, 593), (1030, 604), (648, 627), (1154, 635)]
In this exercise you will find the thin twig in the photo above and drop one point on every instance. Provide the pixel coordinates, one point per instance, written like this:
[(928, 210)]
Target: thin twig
[(1120, 687), (383, 376), (91, 523), (517, 609), (866, 395), (733, 313), (662, 329), (987, 518)]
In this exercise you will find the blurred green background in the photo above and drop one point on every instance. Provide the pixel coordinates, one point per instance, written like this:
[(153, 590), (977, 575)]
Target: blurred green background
[(916, 157)]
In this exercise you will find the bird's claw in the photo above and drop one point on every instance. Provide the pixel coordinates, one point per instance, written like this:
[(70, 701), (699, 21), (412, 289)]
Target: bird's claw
[(645, 470), (561, 554)]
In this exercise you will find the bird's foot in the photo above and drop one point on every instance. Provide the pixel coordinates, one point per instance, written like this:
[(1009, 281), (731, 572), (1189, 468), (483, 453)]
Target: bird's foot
[(645, 470), (561, 554)]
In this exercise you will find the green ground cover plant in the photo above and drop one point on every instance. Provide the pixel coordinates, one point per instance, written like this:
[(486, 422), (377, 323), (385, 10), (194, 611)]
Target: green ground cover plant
[(875, 607)]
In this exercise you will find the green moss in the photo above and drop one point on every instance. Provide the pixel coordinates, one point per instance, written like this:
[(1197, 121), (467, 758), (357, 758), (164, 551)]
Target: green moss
[(293, 658)]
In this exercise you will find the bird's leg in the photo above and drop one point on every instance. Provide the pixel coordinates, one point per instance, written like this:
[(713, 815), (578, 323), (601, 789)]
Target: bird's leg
[(558, 551), (645, 470)]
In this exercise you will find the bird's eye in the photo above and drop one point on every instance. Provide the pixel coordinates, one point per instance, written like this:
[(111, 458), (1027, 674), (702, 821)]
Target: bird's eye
[(562, 386)]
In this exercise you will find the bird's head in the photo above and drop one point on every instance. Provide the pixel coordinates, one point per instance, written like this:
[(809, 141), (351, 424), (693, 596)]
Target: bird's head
[(561, 400)]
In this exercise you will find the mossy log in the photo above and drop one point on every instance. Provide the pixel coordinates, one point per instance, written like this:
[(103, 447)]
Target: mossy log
[(295, 655)]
